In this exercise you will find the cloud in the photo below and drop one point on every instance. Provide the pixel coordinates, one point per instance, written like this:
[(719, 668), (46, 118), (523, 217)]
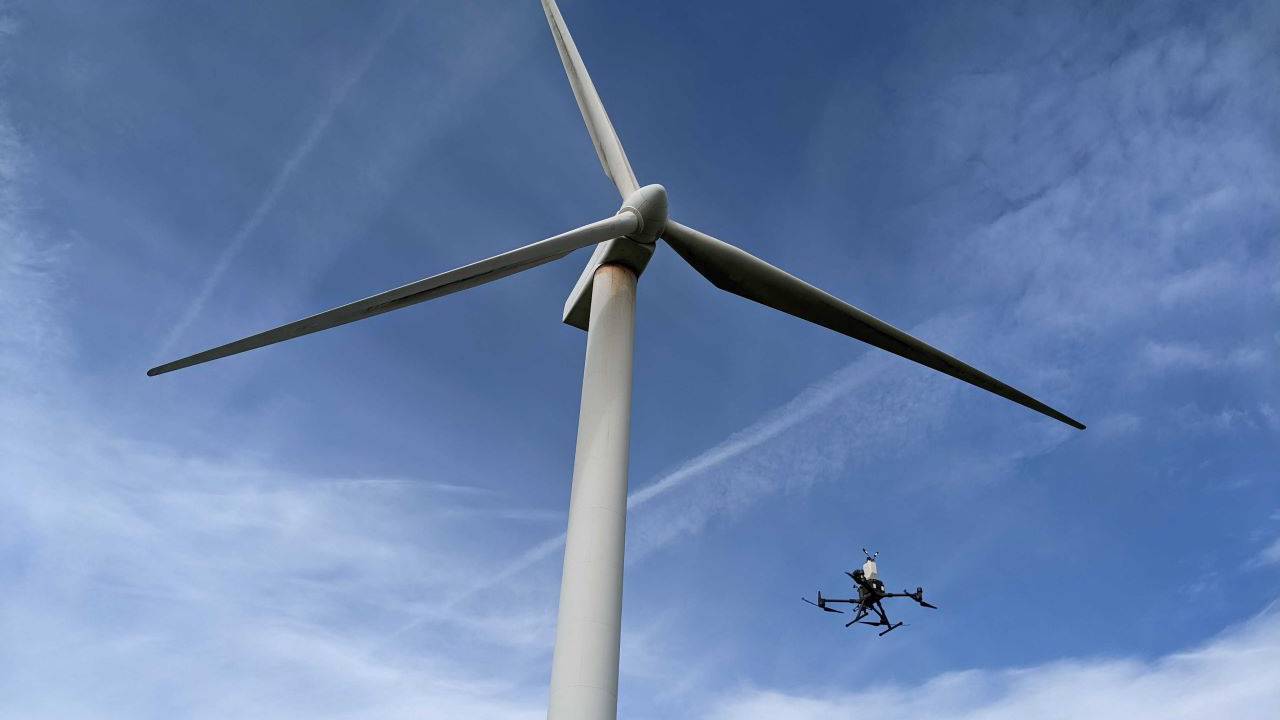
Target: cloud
[(135, 571), (156, 565), (1191, 356), (193, 574), (1196, 419), (1270, 555), (1270, 417), (1236, 675), (1200, 283), (142, 580), (1117, 425)]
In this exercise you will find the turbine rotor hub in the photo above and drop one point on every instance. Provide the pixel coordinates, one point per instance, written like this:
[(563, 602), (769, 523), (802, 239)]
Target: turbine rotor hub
[(649, 205)]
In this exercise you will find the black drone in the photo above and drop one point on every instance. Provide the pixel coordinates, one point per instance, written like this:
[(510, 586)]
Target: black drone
[(870, 594)]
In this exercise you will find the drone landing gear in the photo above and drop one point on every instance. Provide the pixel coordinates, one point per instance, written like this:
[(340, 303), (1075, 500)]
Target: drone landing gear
[(862, 612), (882, 618), (892, 627), (878, 623)]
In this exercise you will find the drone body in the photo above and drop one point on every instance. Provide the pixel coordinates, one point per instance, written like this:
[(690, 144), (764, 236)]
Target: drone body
[(871, 595)]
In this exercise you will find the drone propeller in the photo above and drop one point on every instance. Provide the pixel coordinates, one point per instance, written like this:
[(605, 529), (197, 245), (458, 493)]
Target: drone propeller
[(918, 596), (822, 604), (823, 607)]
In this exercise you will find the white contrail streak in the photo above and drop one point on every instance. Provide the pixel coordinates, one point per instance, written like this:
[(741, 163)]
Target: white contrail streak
[(268, 202), (800, 408), (803, 407)]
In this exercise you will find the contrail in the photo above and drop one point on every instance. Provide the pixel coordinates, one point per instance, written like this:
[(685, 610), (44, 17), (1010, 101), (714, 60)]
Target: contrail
[(268, 202), (800, 408)]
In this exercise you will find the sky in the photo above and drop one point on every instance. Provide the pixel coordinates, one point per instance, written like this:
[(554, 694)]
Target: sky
[(1080, 199)]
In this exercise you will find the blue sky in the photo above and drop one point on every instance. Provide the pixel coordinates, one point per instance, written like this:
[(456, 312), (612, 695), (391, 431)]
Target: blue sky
[(1083, 201)]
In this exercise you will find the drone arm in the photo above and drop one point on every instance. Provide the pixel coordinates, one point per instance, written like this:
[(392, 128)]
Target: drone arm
[(741, 273), (918, 596), (477, 273)]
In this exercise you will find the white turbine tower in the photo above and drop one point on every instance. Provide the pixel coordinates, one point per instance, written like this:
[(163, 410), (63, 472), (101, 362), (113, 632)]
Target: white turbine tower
[(584, 674)]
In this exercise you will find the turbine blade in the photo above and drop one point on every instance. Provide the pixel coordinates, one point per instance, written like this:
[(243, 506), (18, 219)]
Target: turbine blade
[(477, 273), (606, 142), (741, 273)]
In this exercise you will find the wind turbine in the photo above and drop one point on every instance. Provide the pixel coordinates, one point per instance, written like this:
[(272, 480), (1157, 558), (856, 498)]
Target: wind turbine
[(584, 674)]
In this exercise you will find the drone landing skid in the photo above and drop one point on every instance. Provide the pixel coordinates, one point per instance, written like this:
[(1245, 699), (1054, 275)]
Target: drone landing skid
[(895, 626)]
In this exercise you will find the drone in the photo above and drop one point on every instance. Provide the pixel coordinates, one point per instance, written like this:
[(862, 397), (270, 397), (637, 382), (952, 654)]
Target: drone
[(870, 594)]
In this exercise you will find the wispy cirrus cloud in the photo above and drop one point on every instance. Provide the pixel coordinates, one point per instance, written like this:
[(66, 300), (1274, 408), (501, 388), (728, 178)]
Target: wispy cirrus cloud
[(1200, 284), (1192, 356), (158, 565), (1269, 555), (165, 569)]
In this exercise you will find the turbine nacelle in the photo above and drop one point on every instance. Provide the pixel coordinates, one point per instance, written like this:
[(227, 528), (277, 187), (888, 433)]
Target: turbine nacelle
[(648, 205)]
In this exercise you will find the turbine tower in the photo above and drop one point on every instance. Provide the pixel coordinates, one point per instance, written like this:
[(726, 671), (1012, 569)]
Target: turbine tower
[(584, 674)]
